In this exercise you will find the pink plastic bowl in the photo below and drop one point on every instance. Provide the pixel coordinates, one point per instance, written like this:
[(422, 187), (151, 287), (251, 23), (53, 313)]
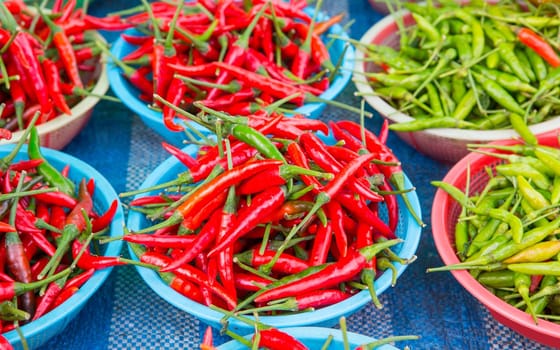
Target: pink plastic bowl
[(444, 216)]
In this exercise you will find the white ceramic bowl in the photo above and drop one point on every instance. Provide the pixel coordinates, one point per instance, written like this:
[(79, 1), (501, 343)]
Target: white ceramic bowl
[(446, 144)]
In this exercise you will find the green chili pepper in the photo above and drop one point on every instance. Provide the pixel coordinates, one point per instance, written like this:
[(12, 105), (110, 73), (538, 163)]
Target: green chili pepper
[(508, 81), (465, 105), (537, 268), (525, 63), (535, 199), (409, 82), (497, 279), (431, 123), (522, 283), (498, 94), (461, 233), (502, 28), (550, 157), (458, 89), (521, 127), (493, 59), (526, 170), (488, 230), (435, 102), (537, 63), (427, 28), (478, 37), (49, 172), (507, 54)]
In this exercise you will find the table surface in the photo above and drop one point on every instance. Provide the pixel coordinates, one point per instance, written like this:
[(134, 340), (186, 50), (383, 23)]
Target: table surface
[(126, 314)]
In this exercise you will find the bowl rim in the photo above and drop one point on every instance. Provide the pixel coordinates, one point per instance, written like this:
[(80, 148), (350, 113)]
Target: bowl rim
[(78, 110), (407, 250), (444, 246), (387, 111), (113, 248), (316, 333), (120, 86)]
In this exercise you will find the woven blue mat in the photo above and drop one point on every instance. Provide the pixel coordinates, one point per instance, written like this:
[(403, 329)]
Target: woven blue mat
[(126, 314)]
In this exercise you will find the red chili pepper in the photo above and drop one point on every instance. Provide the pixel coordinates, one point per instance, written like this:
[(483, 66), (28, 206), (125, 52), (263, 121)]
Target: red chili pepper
[(535, 42), (17, 93), (175, 94), (321, 245), (103, 221), (318, 152), (26, 165), (80, 279), (57, 198), (393, 173), (320, 298), (236, 54), (250, 282), (221, 183), (105, 23), (299, 158), (276, 88), (331, 275), (64, 295), (336, 214), (203, 240), (4, 343), (184, 287), (275, 339), (164, 241), (88, 261), (192, 274), (224, 260), (48, 298), (30, 69), (285, 264), (66, 52), (52, 76), (181, 156), (359, 209), (262, 206)]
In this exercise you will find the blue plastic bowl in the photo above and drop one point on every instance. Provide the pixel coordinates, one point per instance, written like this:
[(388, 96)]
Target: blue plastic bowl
[(41, 330), (407, 229), (128, 94), (315, 337)]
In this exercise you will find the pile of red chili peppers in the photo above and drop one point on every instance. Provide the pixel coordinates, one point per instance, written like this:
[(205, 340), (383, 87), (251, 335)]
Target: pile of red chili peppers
[(49, 58), (233, 56), (47, 225), (272, 218)]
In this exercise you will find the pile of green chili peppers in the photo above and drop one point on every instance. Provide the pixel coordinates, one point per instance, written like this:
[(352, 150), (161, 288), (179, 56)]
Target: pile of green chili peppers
[(463, 66), (508, 232)]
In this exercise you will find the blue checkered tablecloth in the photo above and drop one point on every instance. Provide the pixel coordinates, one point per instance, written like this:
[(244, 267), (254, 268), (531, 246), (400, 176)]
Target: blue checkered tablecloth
[(126, 314)]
